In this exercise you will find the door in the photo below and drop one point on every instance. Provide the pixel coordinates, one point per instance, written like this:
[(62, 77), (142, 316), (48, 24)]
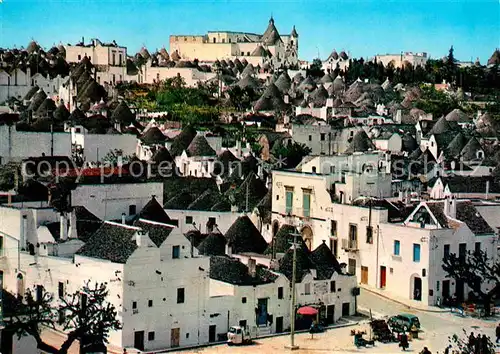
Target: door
[(446, 289), (211, 333), (175, 334), (346, 309), (459, 290), (383, 276), (352, 266), (364, 275), (139, 340), (261, 312), (335, 247), (330, 314), (417, 289), (279, 324)]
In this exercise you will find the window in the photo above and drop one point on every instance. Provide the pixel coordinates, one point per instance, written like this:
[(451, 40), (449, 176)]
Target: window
[(39, 292), (211, 224), (134, 305), (424, 273), (60, 290), (322, 136), (462, 251), (223, 40), (114, 79), (280, 292), (369, 234), (332, 169), (306, 202), (277, 197), (180, 295), (437, 285), (150, 303), (333, 227), (98, 79), (333, 286), (310, 138), (1, 245), (176, 252), (244, 300), (189, 220), (242, 54), (114, 58), (353, 234), (151, 336), (248, 53), (307, 289), (289, 199), (477, 247), (61, 317), (397, 248), (243, 323), (446, 250), (121, 59), (416, 252), (79, 57), (132, 209)]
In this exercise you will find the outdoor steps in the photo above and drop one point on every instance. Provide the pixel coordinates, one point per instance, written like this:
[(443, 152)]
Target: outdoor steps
[(263, 331)]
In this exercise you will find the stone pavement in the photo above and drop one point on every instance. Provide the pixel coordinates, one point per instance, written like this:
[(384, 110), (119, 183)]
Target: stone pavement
[(417, 305)]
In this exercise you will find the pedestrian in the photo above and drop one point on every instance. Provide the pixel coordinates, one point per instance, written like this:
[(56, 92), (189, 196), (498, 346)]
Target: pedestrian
[(498, 333), (472, 340), (447, 350), (425, 351), (403, 342), (484, 343)]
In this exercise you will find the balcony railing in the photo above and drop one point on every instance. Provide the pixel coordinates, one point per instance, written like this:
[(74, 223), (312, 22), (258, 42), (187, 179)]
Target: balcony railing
[(350, 245)]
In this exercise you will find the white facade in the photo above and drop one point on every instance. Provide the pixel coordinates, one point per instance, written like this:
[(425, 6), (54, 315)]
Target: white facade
[(17, 145), (371, 254), (17, 83), (186, 219), (150, 74), (96, 146), (398, 60), (110, 201), (197, 166)]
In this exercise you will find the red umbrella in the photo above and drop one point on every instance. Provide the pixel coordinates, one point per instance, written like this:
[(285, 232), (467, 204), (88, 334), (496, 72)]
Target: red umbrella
[(307, 311)]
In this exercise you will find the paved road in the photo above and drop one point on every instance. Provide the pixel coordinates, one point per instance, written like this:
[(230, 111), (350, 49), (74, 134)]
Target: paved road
[(437, 327)]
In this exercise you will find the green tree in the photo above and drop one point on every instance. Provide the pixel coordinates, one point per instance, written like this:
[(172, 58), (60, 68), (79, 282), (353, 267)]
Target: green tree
[(292, 153), (84, 315), (315, 68), (476, 270), (8, 176)]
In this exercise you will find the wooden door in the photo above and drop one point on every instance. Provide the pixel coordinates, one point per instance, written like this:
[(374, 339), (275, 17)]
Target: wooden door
[(364, 275), (330, 314), (279, 324), (139, 340), (175, 334), (383, 277), (211, 333), (346, 309), (446, 289)]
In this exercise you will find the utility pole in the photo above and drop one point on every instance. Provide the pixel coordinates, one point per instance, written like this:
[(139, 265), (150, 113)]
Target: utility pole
[(292, 345)]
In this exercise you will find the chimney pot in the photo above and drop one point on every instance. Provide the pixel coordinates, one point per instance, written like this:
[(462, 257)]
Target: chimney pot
[(123, 218)]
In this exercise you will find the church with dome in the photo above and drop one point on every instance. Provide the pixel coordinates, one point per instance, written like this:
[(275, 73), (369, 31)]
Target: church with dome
[(270, 48)]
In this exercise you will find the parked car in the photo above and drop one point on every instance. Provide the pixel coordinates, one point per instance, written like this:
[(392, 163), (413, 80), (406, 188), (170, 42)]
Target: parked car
[(403, 322)]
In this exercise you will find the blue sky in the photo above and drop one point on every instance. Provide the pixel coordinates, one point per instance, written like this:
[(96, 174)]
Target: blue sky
[(362, 27)]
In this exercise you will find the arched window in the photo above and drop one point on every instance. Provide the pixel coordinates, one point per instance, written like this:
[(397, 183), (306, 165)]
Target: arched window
[(20, 285)]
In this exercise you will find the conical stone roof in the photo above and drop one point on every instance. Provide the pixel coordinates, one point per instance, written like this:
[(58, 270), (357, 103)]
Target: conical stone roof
[(360, 143)]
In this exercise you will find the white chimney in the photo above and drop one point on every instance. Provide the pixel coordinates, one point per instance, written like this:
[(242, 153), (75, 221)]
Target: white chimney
[(260, 171), (286, 99), (398, 118), (63, 228), (229, 250), (234, 208), (22, 236), (72, 232), (123, 218), (140, 238), (252, 267), (238, 148), (487, 189), (453, 207), (120, 161)]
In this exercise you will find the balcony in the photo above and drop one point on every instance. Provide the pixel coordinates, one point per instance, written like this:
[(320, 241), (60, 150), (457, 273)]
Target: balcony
[(350, 245)]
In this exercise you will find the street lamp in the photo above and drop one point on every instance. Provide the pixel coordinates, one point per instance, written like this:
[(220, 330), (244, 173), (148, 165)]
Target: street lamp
[(292, 302)]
